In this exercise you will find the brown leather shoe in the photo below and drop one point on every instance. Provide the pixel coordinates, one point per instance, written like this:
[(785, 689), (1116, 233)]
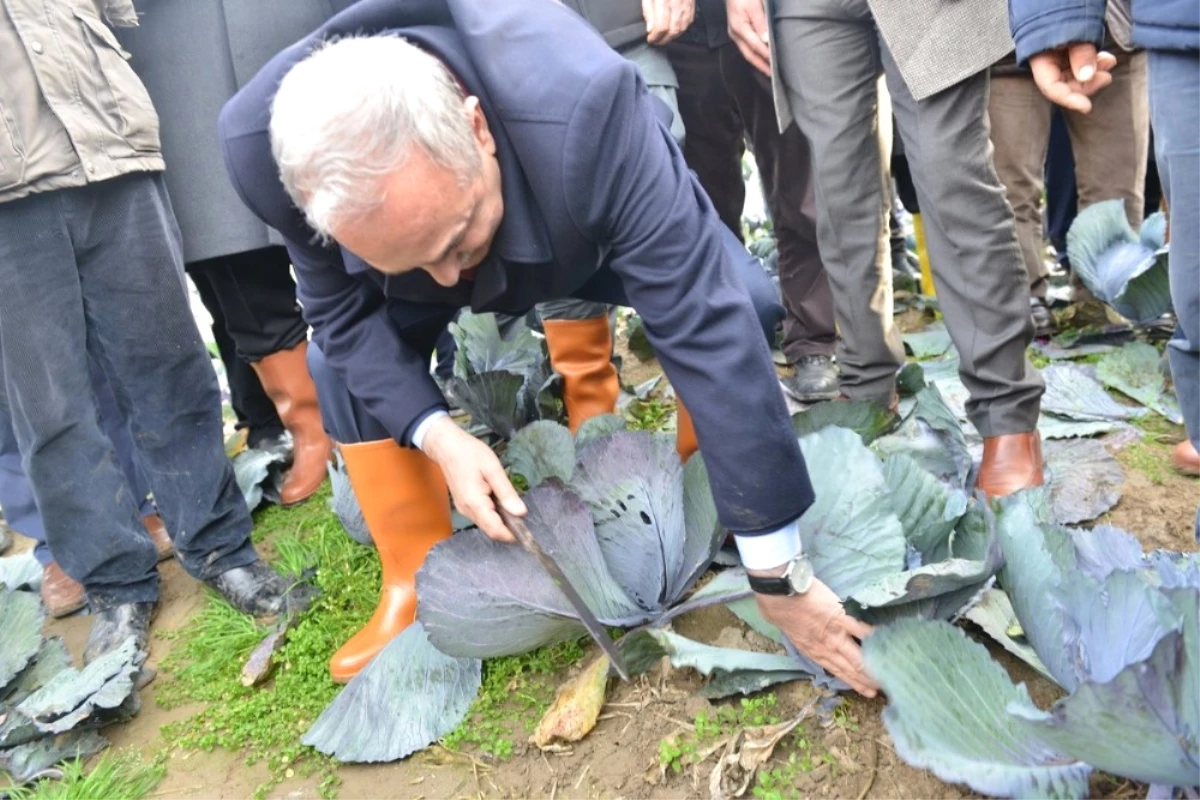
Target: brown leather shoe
[(1011, 463), (1185, 459), (61, 594), (158, 535), (286, 381)]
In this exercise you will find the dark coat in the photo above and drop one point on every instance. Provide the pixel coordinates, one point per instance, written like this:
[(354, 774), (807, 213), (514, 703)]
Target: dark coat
[(594, 189), (193, 55)]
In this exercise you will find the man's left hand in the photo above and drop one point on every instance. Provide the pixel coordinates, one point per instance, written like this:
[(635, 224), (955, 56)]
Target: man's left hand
[(1070, 75), (667, 19)]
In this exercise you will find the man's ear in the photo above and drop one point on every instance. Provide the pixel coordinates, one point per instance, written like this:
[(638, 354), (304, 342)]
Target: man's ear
[(479, 126)]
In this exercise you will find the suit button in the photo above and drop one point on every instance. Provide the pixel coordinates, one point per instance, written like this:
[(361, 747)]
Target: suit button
[(37, 47)]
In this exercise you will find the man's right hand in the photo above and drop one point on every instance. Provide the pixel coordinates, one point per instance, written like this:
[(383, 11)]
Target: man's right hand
[(748, 29), (474, 476), (821, 629), (1070, 75)]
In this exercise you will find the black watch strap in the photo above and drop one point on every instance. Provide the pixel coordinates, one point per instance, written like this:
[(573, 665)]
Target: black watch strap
[(781, 585)]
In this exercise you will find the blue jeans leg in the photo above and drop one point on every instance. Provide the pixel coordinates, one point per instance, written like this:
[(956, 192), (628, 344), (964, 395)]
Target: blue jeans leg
[(97, 271), (1175, 118)]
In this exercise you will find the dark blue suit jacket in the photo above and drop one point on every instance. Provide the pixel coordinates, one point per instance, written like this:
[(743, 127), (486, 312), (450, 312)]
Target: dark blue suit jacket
[(593, 187)]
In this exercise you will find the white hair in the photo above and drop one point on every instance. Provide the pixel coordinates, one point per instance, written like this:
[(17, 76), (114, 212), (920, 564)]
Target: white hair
[(349, 115)]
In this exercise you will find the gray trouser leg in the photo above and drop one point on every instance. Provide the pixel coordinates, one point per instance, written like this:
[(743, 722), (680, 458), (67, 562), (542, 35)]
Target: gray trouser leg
[(829, 56), (982, 284)]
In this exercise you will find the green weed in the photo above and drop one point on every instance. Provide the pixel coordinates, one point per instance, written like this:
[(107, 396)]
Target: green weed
[(516, 692), (114, 777), (266, 723)]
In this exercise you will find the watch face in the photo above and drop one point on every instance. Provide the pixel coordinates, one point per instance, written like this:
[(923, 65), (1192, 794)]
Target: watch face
[(802, 576)]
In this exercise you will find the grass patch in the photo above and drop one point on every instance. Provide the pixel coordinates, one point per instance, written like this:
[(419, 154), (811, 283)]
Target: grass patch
[(266, 723), (682, 749), (1149, 458), (794, 755), (113, 777), (1152, 455), (515, 694)]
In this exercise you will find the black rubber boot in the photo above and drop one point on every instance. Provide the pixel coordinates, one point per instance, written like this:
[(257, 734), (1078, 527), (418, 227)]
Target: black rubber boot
[(816, 379), (260, 591), (113, 625)]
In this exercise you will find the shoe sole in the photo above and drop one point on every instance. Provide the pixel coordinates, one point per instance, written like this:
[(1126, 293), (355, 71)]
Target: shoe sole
[(65, 611)]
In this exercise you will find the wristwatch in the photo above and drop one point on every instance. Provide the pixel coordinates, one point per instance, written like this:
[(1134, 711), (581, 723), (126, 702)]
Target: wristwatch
[(796, 579)]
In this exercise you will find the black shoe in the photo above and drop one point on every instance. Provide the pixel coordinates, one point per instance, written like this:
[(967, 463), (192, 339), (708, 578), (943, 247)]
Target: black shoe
[(114, 625), (260, 591), (1044, 323), (816, 379)]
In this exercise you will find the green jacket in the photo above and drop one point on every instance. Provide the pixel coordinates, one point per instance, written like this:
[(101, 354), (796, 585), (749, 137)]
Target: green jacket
[(72, 111)]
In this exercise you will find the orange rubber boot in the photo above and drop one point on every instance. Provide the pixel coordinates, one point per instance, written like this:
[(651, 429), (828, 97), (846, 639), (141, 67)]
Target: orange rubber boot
[(285, 379), (406, 506), (581, 351), (1010, 463), (685, 433)]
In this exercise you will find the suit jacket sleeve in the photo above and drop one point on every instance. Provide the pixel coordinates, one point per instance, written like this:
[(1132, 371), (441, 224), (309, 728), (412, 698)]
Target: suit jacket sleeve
[(629, 188), (349, 316), (1041, 25)]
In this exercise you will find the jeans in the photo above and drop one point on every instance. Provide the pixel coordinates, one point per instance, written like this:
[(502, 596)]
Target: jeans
[(96, 272), (1175, 116), (16, 495)]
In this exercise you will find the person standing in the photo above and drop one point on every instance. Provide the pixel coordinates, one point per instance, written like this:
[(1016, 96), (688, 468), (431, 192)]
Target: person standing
[(91, 265), (192, 56), (1109, 147), (724, 101), (825, 57), (1059, 41)]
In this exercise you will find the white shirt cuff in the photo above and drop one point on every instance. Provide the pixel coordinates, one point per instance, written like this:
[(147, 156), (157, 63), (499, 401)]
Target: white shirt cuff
[(418, 434), (769, 550)]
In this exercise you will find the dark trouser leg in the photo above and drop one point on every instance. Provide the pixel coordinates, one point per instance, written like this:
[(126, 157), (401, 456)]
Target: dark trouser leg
[(254, 410), (102, 264), (714, 144), (1020, 123), (116, 427), (828, 54), (258, 299), (1062, 199), (785, 164), (16, 495), (1175, 108), (345, 418), (983, 287)]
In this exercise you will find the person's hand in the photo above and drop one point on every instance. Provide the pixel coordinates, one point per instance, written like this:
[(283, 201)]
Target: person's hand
[(474, 475), (821, 629), (667, 19), (748, 29), (1070, 75)]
